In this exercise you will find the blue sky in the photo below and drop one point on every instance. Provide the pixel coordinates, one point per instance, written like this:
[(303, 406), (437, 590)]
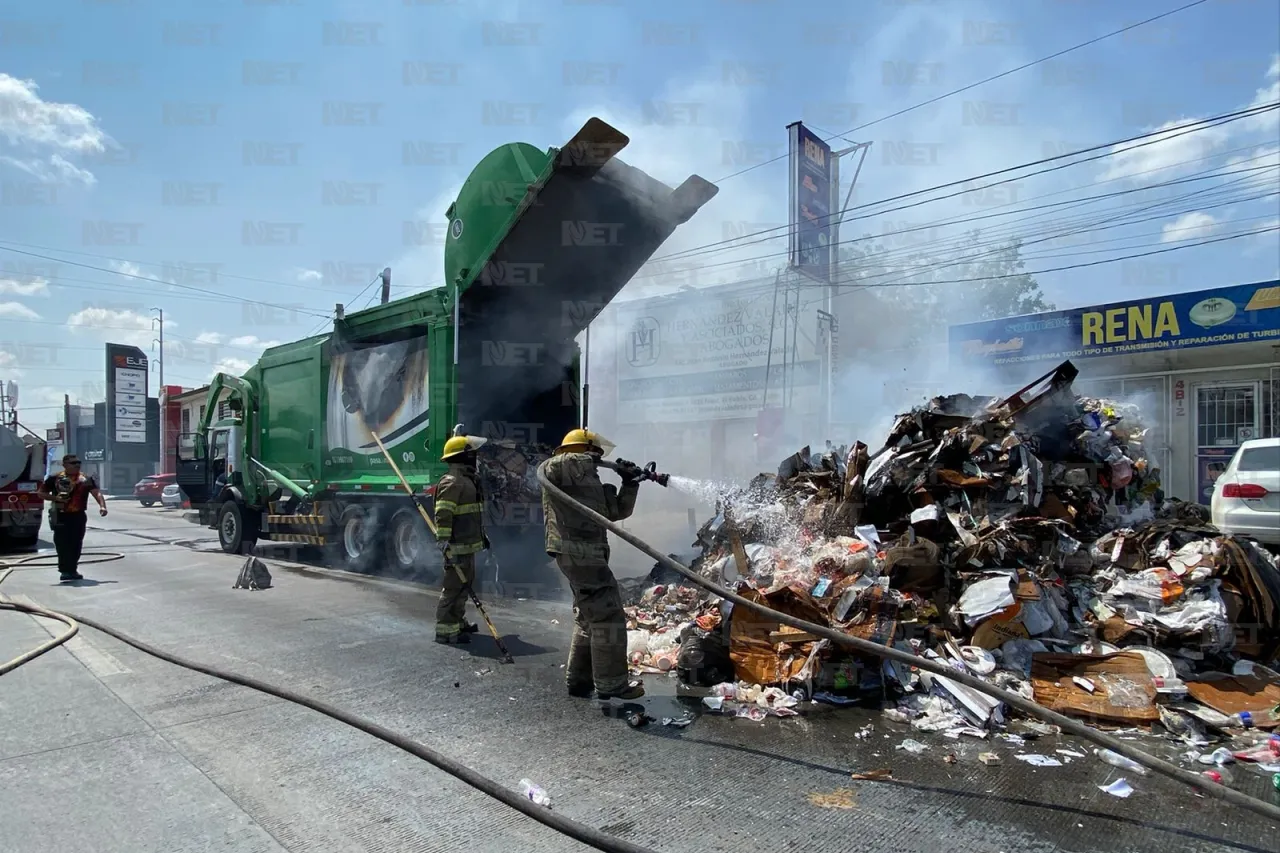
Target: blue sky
[(139, 105)]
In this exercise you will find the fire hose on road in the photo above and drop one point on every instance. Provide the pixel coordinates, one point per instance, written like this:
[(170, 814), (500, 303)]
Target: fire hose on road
[(1209, 787)]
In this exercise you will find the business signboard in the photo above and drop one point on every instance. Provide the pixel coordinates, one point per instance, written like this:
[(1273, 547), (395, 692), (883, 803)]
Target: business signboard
[(703, 355), (1226, 315), (127, 373), (812, 199)]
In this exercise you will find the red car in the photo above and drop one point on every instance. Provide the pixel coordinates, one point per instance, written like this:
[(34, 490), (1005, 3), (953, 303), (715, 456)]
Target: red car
[(148, 489)]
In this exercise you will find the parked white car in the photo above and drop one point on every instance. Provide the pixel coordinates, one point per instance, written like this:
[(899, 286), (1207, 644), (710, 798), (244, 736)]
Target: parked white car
[(172, 497), (1246, 496)]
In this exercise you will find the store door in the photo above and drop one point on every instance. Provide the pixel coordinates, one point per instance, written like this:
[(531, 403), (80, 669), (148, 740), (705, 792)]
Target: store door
[(1226, 416)]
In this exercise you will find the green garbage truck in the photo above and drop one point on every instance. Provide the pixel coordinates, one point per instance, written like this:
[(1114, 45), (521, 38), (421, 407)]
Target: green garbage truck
[(538, 243)]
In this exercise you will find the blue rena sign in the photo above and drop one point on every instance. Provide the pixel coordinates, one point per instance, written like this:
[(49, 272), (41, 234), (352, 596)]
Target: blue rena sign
[(1226, 315)]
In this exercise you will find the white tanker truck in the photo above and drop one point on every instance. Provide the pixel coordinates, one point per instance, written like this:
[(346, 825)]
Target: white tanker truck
[(22, 467)]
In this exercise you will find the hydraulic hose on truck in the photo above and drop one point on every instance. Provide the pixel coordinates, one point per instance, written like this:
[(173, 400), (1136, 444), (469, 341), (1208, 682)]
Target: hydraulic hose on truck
[(1213, 789)]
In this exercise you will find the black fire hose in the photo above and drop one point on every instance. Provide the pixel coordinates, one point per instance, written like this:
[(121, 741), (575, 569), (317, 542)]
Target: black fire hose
[(589, 836), (1213, 789)]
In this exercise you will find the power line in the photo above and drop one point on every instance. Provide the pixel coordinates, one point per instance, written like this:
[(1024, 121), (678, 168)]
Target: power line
[(1023, 67), (1152, 138), (150, 279), (252, 279), (1206, 175), (1206, 242)]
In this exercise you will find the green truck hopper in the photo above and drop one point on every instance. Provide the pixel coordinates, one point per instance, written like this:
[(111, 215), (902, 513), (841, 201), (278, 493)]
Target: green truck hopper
[(538, 243)]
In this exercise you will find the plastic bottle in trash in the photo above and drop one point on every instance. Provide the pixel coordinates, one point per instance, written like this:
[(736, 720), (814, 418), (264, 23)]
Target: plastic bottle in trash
[(533, 792), (1273, 743), (1115, 759), (1243, 719)]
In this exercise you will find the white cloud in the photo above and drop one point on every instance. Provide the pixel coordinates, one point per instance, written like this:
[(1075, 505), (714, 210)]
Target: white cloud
[(33, 287), (128, 268), (251, 342), (209, 338), (119, 325), (17, 310), (234, 366), (1170, 152), (305, 276), (1269, 94), (42, 134), (1189, 226)]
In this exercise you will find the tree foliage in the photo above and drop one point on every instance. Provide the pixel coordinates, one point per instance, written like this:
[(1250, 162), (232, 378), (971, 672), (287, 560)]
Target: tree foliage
[(975, 279)]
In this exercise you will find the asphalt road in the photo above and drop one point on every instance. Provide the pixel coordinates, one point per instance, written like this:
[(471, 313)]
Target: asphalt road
[(104, 748)]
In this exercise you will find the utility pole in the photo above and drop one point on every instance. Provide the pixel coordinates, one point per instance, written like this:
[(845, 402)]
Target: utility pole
[(160, 395), (386, 285)]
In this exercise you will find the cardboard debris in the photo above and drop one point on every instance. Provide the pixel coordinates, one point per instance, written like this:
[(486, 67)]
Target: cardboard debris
[(1122, 692), (1233, 694)]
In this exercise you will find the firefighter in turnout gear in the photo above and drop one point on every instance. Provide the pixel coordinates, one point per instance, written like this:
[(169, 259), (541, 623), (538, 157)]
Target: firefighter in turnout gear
[(598, 650), (460, 535)]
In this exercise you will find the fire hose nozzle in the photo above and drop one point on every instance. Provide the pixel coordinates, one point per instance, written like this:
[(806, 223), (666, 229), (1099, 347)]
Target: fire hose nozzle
[(651, 473), (648, 472)]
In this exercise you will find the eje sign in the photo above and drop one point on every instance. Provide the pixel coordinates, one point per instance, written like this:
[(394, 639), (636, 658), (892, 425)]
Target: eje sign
[(131, 361), (1134, 323)]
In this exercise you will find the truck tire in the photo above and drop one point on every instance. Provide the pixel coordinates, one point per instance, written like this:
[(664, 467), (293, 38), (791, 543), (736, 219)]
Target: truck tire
[(235, 533), (411, 554), (20, 541), (357, 546)]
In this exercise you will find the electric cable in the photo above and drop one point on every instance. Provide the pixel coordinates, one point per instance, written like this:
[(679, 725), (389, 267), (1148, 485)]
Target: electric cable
[(192, 288), (217, 274), (587, 835), (1206, 175), (328, 320), (1195, 780), (1022, 67), (1151, 138)]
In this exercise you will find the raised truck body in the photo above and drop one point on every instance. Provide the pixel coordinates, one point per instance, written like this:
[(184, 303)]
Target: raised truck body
[(539, 242)]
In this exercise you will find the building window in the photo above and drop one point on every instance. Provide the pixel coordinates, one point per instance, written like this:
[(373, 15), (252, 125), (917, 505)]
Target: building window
[(186, 419)]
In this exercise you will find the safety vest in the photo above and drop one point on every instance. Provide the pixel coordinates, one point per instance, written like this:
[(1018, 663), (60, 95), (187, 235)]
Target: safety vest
[(459, 507), (568, 531)]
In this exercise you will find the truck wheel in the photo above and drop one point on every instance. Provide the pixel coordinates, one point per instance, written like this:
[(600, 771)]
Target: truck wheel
[(234, 532), (409, 548), (358, 539)]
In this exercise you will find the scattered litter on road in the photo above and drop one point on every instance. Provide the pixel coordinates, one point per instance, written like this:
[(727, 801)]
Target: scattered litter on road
[(1115, 759), (989, 758), (534, 793), (1119, 788), (1038, 760), (841, 798), (873, 775), (914, 747)]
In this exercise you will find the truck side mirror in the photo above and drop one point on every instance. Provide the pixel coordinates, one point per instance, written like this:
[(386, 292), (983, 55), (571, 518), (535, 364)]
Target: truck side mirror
[(311, 440)]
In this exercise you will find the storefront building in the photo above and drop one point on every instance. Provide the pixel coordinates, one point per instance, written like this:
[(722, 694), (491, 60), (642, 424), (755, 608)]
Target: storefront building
[(1204, 367)]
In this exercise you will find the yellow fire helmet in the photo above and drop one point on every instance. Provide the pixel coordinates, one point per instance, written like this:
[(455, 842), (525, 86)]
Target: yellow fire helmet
[(461, 444), (585, 441)]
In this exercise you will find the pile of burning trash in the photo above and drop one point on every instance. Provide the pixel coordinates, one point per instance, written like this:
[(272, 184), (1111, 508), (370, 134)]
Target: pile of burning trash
[(1023, 540), (509, 473)]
